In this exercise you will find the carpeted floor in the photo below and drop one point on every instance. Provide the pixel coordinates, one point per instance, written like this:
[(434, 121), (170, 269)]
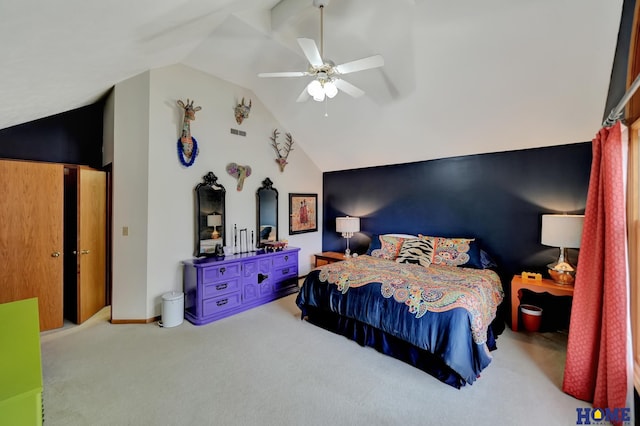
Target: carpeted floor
[(266, 367)]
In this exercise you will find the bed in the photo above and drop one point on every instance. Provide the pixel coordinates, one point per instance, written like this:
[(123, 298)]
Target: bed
[(431, 306)]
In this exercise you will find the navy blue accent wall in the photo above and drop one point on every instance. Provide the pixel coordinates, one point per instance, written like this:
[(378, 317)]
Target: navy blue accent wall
[(498, 198), (73, 137)]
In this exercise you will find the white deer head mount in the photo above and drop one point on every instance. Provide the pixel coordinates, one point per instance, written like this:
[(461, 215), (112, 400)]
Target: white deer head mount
[(286, 149)]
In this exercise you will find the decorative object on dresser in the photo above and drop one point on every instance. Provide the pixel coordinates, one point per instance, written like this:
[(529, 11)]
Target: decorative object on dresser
[(239, 172), (266, 213), (209, 209), (347, 226), (563, 231), (303, 213), (241, 111), (287, 148), (216, 289), (187, 144)]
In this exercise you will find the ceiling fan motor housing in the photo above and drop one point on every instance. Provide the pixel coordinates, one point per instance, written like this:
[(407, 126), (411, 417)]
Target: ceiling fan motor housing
[(320, 3)]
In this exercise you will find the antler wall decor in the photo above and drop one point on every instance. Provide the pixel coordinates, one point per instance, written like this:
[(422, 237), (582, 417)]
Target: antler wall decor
[(239, 172), (187, 144), (242, 111), (287, 148)]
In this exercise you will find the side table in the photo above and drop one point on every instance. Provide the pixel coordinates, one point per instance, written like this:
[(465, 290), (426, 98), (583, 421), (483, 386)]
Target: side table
[(327, 257), (546, 285)]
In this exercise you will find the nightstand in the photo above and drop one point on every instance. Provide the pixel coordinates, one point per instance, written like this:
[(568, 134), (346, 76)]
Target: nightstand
[(545, 285), (327, 257)]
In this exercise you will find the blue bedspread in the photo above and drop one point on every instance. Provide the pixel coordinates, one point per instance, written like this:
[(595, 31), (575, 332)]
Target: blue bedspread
[(445, 311)]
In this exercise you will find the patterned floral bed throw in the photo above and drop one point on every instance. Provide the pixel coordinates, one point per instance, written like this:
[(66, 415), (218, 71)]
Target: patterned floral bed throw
[(432, 289)]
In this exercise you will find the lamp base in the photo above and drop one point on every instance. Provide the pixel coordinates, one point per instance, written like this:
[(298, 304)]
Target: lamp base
[(562, 273), (215, 235)]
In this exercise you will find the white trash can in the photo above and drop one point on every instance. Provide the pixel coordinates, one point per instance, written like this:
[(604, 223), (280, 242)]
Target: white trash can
[(172, 309)]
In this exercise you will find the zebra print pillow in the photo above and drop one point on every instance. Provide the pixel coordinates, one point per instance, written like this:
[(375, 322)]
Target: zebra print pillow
[(416, 250)]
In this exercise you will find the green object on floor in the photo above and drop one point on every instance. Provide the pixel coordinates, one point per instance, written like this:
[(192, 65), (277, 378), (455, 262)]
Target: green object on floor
[(20, 363)]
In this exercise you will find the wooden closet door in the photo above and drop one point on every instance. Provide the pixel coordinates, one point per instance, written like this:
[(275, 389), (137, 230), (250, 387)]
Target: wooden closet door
[(31, 229), (92, 217)]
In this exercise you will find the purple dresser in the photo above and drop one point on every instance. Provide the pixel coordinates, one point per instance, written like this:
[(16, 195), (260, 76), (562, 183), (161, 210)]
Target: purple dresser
[(217, 288)]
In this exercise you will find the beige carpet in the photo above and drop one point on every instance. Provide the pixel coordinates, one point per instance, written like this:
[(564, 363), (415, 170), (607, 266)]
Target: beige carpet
[(266, 367)]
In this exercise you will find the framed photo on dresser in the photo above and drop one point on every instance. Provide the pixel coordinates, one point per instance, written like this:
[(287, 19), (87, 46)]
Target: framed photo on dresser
[(303, 213)]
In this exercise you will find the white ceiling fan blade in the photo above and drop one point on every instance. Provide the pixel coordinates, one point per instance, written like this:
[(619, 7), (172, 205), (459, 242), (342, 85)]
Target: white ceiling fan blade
[(304, 96), (311, 51), (360, 64), (283, 74), (348, 88)]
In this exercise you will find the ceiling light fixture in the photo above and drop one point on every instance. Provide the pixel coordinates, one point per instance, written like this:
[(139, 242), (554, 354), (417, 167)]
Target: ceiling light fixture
[(322, 86), (327, 77)]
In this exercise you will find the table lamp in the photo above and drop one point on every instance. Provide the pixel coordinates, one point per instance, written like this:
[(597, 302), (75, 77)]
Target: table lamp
[(214, 220), (347, 226), (562, 231)]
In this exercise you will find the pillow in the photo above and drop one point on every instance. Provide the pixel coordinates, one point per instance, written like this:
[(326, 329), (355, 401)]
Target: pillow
[(376, 241), (416, 250), (390, 246), (486, 260), (456, 252), (376, 253), (374, 245)]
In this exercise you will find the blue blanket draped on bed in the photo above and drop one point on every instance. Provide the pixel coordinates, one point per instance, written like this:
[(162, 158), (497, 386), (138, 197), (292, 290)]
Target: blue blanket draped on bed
[(342, 290)]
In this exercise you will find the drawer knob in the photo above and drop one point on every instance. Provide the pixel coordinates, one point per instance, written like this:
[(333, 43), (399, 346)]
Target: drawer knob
[(285, 271), (286, 257), (222, 270), (222, 302), (221, 286)]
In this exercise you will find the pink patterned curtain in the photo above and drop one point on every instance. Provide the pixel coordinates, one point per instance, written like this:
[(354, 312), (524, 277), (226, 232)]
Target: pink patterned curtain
[(596, 369)]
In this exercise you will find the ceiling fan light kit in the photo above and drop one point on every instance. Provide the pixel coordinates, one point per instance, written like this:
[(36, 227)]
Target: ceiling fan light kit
[(326, 75)]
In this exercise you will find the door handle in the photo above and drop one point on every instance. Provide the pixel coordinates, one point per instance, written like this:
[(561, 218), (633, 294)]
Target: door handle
[(85, 251), (55, 254)]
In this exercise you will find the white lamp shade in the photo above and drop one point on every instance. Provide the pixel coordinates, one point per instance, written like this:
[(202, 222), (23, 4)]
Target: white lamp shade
[(315, 88), (330, 89), (347, 224), (214, 220), (562, 230)]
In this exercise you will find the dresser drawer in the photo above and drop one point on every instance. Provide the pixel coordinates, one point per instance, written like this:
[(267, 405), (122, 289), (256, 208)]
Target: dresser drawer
[(221, 272), (285, 259), (218, 288), (220, 304), (285, 272)]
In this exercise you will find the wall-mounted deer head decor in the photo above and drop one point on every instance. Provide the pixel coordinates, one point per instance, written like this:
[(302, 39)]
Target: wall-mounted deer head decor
[(283, 153), (239, 172), (187, 144), (242, 111)]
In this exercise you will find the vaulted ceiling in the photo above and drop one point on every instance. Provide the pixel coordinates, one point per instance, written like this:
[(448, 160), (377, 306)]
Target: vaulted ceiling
[(460, 77)]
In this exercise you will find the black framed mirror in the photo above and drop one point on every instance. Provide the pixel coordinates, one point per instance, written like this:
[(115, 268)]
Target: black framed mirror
[(210, 217), (266, 213)]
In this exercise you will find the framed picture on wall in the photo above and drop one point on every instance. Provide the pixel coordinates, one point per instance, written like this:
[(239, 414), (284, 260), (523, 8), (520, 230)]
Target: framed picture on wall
[(303, 213)]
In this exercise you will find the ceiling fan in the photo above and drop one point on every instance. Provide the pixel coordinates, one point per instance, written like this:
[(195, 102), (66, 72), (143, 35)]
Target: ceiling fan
[(326, 75)]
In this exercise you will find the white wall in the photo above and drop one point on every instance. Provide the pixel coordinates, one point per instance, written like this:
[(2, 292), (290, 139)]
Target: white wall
[(163, 204), (130, 187)]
